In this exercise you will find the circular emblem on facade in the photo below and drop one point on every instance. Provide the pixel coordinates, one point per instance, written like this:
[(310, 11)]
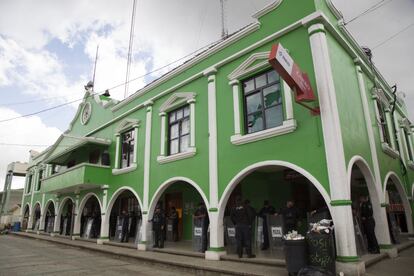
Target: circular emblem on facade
[(86, 113)]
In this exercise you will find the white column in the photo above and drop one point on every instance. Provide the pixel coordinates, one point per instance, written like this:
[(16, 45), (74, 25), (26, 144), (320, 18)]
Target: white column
[(216, 249), (147, 154), (135, 143), (236, 106), (335, 157), (287, 94), (104, 234), (191, 102), (163, 116), (43, 213), (380, 215), (212, 139), (76, 218), (143, 243), (117, 149)]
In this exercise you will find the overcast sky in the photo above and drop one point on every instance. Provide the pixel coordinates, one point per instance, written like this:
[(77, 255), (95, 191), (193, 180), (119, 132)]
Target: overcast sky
[(47, 50)]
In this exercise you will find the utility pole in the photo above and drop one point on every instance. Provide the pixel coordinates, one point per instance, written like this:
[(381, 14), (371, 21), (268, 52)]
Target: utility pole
[(224, 32), (131, 40)]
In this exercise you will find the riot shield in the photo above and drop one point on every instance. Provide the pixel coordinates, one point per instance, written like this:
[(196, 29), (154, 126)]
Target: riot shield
[(393, 228), (230, 236), (259, 235), (199, 234), (361, 243), (275, 232), (36, 225), (87, 234), (138, 235), (170, 229), (119, 231), (65, 227), (50, 224)]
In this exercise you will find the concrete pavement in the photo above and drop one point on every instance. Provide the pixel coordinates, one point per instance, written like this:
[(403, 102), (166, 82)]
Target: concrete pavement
[(403, 265)]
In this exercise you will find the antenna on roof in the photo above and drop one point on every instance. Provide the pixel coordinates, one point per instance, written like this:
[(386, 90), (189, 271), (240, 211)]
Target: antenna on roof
[(224, 31), (94, 68), (131, 39)]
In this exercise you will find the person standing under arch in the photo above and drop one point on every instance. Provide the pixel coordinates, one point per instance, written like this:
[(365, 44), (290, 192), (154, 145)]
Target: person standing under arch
[(368, 224), (240, 216)]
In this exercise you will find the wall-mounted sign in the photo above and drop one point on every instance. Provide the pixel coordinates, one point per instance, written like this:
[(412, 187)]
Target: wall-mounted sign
[(290, 72)]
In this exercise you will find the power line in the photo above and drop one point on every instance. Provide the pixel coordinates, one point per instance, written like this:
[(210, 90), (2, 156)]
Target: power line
[(369, 10), (113, 87), (393, 36), (22, 145)]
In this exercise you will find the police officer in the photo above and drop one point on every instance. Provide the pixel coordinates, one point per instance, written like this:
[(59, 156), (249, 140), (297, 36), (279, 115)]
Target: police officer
[(201, 214), (368, 224), (173, 216), (266, 210), (158, 222), (242, 220), (290, 216)]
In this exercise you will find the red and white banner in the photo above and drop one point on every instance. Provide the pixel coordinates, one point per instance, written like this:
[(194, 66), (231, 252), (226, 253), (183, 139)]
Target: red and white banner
[(290, 72)]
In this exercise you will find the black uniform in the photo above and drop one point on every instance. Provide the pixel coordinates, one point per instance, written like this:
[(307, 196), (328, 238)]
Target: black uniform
[(124, 233), (174, 217), (368, 225), (290, 218), (242, 219), (264, 212), (158, 222), (201, 214)]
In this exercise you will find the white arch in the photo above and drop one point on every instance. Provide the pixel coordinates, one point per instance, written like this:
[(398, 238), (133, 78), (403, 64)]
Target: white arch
[(43, 218), (243, 173), (60, 209), (82, 205), (34, 213), (30, 210), (403, 195), (105, 221), (168, 183), (375, 194)]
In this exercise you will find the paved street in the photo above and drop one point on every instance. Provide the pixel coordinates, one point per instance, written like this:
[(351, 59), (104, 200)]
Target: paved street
[(403, 265), (20, 256)]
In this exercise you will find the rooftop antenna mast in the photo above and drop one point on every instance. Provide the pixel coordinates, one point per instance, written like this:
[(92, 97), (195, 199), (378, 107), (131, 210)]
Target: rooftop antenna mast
[(131, 40), (94, 68), (224, 32)]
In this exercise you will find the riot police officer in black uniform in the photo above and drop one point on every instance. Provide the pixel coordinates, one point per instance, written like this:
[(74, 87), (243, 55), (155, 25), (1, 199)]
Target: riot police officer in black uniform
[(368, 224), (290, 216), (125, 221), (158, 222), (173, 215), (240, 216), (266, 210)]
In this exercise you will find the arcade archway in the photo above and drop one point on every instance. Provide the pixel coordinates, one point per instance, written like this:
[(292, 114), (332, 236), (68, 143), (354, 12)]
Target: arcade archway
[(90, 218), (65, 217), (49, 217), (182, 231), (276, 182), (36, 216), (124, 217), (26, 215)]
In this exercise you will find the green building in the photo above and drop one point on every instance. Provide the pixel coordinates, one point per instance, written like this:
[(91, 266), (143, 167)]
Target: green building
[(225, 124)]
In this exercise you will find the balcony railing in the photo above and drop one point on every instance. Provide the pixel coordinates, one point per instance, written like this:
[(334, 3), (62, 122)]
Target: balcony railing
[(84, 176)]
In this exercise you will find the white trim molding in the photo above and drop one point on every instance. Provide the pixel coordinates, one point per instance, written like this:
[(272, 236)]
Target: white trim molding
[(147, 153), (288, 126), (267, 9), (176, 100), (178, 156), (131, 168), (254, 64)]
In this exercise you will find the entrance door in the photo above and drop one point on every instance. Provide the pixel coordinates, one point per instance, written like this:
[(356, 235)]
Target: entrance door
[(175, 200)]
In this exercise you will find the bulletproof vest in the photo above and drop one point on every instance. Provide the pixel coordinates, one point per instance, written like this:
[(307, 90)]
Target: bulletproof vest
[(366, 210), (240, 216)]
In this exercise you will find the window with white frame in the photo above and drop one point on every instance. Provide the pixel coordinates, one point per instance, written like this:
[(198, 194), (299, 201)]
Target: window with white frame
[(409, 145), (126, 146), (29, 183), (263, 105), (39, 180), (179, 130), (382, 121), (262, 101), (177, 127)]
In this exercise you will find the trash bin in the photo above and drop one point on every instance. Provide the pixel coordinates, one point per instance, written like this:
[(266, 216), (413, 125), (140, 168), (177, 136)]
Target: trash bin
[(295, 255), (321, 250), (16, 226)]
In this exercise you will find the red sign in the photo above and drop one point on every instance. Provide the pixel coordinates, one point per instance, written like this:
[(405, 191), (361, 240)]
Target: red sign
[(283, 63)]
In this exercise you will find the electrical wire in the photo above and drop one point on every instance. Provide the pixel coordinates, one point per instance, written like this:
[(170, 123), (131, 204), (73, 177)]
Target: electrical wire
[(369, 10), (22, 145), (393, 36), (113, 87)]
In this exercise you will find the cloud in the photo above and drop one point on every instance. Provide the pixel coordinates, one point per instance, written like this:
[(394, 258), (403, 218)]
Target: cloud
[(25, 131)]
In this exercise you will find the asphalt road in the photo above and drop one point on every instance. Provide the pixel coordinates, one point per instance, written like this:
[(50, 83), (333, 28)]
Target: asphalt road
[(21, 256)]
